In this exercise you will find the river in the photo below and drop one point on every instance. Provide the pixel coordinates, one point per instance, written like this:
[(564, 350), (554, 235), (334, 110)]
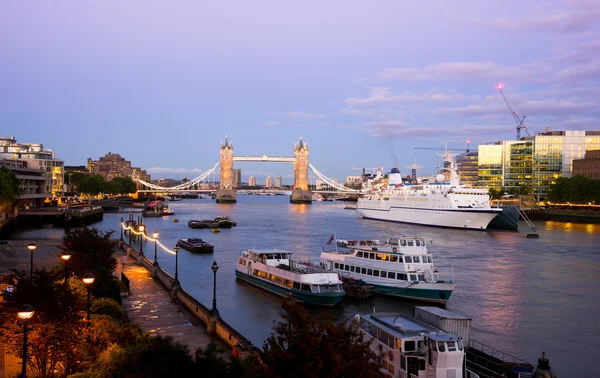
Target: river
[(525, 296)]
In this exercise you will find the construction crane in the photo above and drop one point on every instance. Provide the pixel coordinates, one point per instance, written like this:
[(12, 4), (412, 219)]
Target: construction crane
[(414, 168), (515, 115)]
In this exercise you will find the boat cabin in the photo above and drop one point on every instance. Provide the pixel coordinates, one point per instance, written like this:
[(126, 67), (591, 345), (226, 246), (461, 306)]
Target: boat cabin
[(273, 257), (406, 347)]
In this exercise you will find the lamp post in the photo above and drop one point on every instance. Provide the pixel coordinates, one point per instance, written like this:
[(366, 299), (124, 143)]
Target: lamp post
[(155, 236), (88, 280), (176, 249), (25, 314), (141, 228), (121, 226), (130, 232), (214, 268), (32, 248), (65, 257)]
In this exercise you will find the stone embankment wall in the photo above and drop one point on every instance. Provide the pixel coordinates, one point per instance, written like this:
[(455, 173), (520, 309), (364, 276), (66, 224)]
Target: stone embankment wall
[(214, 323)]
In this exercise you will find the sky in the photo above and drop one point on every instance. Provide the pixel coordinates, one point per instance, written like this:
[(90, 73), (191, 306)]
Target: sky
[(365, 83)]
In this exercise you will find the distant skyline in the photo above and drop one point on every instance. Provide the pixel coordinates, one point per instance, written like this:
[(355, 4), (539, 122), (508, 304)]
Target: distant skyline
[(363, 83)]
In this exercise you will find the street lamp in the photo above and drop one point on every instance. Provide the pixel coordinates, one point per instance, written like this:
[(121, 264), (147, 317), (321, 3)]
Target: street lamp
[(32, 248), (121, 227), (25, 314), (176, 249), (155, 236), (65, 256), (214, 268), (141, 228), (88, 280)]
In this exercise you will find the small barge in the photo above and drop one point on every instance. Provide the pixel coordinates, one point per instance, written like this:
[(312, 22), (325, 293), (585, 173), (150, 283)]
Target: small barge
[(195, 245)]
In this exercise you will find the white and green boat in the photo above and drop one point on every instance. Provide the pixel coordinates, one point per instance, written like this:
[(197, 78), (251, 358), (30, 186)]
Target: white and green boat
[(400, 267), (273, 270)]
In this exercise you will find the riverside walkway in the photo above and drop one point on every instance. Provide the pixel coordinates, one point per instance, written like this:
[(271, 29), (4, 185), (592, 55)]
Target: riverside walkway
[(150, 306)]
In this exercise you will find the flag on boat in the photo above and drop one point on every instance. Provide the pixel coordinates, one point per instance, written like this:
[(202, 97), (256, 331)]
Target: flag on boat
[(332, 238)]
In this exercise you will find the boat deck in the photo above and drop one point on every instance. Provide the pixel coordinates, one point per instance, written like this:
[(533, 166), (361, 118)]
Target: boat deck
[(300, 267)]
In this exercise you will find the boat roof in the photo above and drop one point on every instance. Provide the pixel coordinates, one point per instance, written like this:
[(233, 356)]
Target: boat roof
[(265, 251), (443, 313), (404, 326)]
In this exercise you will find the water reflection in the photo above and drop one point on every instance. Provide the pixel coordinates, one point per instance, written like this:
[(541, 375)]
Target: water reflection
[(572, 227)]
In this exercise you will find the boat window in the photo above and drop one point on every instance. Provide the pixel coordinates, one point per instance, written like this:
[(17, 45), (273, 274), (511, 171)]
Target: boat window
[(421, 364), (401, 276), (385, 257), (383, 274), (409, 346), (336, 265), (359, 254), (391, 341), (375, 273), (352, 268), (418, 243), (460, 344), (429, 259), (416, 259), (372, 256), (413, 277), (240, 261), (392, 275), (400, 259), (403, 243), (364, 271), (410, 243), (441, 346), (378, 256), (451, 346), (422, 242), (393, 242), (297, 285), (314, 288), (277, 256), (347, 268), (408, 259), (369, 272), (403, 363), (382, 336), (393, 258), (269, 256), (305, 287), (434, 345), (422, 277)]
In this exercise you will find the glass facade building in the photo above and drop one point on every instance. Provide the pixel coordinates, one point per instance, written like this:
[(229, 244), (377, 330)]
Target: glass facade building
[(468, 169), (532, 164)]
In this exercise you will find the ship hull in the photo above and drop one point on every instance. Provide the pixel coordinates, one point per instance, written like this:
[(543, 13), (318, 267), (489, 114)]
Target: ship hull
[(426, 292), (453, 218), (321, 299), (507, 219)]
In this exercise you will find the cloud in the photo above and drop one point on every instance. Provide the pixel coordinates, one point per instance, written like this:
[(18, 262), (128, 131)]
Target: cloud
[(577, 17), (295, 115), (383, 95), (272, 123)]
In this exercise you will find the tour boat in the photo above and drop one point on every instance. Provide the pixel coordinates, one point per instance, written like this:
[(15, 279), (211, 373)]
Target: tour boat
[(440, 203), (400, 267), (407, 347), (196, 224), (273, 270), (195, 245)]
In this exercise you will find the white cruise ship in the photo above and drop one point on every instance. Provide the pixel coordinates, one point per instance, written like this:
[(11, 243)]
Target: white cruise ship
[(440, 203)]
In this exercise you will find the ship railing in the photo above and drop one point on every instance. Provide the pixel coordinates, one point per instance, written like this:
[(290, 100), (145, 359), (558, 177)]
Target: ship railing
[(495, 353), (305, 267)]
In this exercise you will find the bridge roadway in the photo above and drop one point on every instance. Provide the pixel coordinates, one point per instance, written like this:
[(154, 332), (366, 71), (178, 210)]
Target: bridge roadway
[(265, 158)]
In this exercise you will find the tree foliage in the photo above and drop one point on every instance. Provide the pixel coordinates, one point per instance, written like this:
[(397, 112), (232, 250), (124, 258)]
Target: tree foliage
[(308, 346), (9, 188), (95, 184), (576, 190), (92, 252)]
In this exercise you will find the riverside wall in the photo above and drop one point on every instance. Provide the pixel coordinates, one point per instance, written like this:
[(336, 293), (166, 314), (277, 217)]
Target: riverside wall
[(214, 324)]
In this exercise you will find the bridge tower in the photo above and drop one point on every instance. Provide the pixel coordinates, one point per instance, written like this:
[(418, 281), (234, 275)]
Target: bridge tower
[(226, 194), (301, 194)]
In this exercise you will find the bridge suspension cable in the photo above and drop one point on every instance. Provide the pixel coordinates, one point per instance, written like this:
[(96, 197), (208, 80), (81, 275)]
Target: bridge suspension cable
[(183, 186), (332, 183)]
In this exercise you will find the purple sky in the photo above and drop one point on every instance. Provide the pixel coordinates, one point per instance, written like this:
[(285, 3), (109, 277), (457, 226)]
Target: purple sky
[(162, 82)]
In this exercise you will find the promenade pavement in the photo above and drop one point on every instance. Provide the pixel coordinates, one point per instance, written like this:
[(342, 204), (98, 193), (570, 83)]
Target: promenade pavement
[(150, 306)]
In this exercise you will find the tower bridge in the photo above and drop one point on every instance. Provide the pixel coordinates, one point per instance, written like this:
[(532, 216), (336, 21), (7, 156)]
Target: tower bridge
[(226, 193)]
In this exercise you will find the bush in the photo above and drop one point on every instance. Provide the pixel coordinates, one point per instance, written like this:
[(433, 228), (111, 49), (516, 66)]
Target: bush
[(110, 307)]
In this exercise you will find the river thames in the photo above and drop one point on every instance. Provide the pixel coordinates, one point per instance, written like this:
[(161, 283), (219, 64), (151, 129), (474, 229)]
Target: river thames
[(525, 296)]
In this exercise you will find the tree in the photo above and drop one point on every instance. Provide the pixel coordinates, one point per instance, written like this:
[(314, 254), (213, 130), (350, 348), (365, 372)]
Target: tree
[(92, 252), (124, 185), (10, 188), (92, 185), (305, 346)]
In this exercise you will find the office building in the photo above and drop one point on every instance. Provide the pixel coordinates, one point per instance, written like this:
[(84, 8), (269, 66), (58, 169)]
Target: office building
[(279, 182), (237, 178), (269, 182), (36, 158), (532, 164), (34, 184), (467, 165), (252, 181), (589, 166)]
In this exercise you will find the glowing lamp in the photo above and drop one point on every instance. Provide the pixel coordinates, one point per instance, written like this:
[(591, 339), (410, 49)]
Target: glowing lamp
[(26, 312)]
